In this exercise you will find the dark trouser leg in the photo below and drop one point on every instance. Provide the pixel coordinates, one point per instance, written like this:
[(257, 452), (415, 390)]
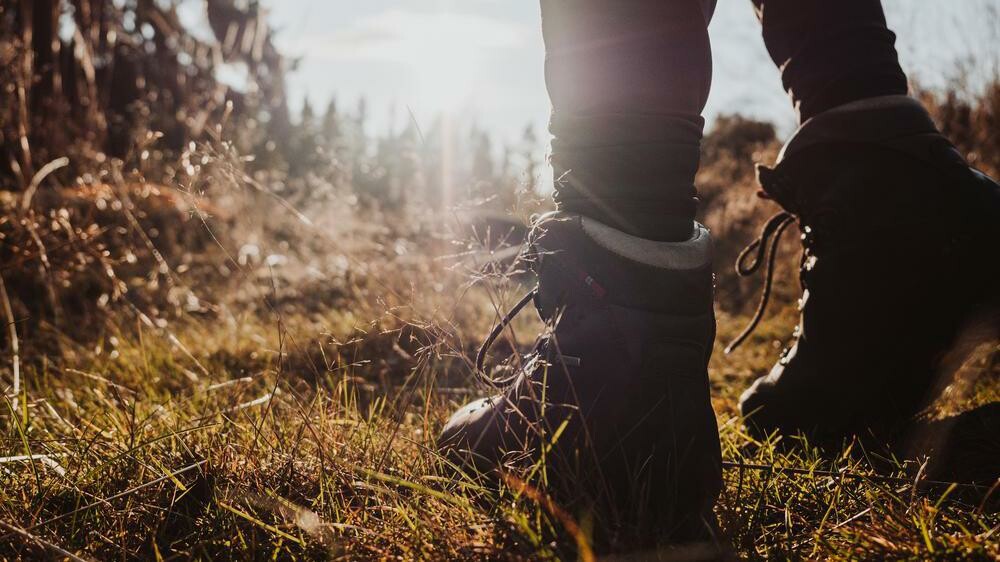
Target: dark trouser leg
[(628, 80), (831, 52)]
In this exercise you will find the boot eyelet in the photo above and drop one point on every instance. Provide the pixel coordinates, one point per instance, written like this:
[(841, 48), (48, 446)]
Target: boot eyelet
[(783, 360), (809, 263), (808, 236)]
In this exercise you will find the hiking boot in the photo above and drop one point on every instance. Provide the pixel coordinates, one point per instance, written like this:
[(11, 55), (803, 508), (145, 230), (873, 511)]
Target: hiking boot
[(899, 270), (615, 397)]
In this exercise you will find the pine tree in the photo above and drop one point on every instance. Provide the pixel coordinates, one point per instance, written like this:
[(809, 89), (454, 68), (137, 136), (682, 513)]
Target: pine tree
[(330, 128)]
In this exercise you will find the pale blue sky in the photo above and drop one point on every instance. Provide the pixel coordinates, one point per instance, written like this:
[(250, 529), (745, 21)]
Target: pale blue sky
[(484, 58)]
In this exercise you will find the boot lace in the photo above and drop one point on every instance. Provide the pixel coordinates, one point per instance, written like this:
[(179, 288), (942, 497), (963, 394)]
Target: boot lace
[(764, 248), (572, 271), (481, 372)]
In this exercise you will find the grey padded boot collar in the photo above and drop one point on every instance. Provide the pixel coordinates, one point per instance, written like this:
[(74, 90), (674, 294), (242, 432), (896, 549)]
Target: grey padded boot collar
[(691, 254), (694, 253), (876, 120)]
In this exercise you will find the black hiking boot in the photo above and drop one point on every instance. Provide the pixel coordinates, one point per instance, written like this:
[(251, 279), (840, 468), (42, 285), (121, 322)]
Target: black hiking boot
[(899, 271), (615, 398)]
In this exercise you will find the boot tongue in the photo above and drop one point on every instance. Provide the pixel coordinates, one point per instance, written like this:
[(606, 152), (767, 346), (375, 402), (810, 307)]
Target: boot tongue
[(777, 187)]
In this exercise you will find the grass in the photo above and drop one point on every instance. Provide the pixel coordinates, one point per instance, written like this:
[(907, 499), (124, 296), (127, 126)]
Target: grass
[(299, 424), (194, 369), (268, 383)]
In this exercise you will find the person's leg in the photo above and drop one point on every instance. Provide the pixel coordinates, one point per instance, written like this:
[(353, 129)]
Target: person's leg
[(620, 378), (628, 80), (897, 229), (831, 53)]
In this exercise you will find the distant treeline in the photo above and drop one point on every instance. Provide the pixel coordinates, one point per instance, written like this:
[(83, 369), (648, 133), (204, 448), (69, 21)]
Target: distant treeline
[(92, 80)]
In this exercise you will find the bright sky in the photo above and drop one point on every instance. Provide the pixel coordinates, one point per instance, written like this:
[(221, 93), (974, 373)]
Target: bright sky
[(484, 58)]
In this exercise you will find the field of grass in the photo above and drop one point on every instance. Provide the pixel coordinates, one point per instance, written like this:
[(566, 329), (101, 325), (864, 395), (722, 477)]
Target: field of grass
[(231, 334), (287, 409)]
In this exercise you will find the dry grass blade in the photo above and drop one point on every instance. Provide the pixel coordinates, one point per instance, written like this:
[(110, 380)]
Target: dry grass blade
[(914, 482), (47, 460), (15, 350), (42, 542), (38, 178), (261, 524)]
